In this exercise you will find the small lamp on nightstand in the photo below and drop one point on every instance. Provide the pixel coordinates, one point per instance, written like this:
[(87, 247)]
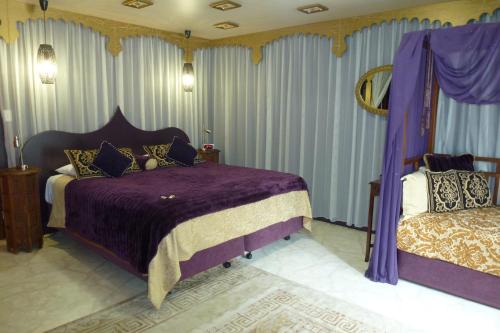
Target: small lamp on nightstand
[(207, 146), (18, 146)]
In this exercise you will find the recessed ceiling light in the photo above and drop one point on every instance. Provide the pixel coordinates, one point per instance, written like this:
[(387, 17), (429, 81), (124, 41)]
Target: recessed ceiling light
[(137, 4), (226, 25), (225, 5), (312, 9)]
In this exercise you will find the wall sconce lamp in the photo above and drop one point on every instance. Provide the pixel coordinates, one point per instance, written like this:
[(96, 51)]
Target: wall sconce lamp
[(46, 57), (187, 69)]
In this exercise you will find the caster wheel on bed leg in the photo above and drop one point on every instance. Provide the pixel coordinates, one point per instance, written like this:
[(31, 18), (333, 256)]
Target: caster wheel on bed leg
[(227, 264), (287, 237), (248, 255)]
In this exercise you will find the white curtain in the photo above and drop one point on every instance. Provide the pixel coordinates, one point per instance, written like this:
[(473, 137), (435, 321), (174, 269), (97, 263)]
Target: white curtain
[(148, 86), (380, 84), (294, 112), (468, 128), (144, 80), (84, 92)]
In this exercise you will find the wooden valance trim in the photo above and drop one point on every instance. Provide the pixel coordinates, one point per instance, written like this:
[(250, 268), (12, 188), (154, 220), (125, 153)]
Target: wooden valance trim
[(454, 12)]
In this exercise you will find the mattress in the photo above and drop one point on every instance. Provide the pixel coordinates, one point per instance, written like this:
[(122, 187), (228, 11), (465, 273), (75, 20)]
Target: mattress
[(153, 220), (468, 238)]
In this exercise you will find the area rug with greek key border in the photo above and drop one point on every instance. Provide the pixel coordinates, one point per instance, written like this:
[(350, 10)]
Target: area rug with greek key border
[(239, 299)]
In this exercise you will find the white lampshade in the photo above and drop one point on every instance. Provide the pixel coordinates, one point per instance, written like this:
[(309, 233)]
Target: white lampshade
[(46, 64), (188, 77)]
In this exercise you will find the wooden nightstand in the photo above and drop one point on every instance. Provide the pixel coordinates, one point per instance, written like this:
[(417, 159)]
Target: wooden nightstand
[(21, 208), (209, 155)]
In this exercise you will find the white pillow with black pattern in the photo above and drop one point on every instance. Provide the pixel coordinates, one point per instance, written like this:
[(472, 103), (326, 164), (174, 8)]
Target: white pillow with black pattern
[(475, 189), (445, 192)]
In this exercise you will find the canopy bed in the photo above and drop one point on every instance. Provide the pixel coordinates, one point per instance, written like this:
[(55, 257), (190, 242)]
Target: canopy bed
[(464, 62), (168, 223)]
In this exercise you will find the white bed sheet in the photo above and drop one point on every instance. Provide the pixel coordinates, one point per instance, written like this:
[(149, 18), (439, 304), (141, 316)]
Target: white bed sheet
[(49, 188)]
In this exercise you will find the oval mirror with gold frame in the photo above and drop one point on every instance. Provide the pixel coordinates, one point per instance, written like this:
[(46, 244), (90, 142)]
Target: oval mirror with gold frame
[(373, 88)]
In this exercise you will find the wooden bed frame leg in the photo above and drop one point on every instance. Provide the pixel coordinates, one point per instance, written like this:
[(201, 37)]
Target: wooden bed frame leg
[(226, 264), (287, 237), (248, 255)]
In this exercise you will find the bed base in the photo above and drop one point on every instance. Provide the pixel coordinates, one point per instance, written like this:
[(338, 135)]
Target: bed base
[(211, 257), (460, 281)]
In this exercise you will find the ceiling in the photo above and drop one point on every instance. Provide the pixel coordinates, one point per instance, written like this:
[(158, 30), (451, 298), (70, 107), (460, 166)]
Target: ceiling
[(253, 16)]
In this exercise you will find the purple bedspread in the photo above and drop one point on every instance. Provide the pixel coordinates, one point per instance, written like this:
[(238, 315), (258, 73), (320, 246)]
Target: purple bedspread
[(127, 216)]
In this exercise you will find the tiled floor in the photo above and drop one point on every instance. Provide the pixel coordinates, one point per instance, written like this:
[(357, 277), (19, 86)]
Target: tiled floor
[(64, 281)]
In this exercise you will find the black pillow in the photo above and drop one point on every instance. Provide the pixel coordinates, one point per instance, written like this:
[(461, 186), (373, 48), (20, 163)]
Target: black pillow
[(110, 161), (181, 152), (441, 163)]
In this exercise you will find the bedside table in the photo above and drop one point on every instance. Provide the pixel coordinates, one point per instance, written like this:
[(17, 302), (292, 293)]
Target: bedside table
[(21, 208), (374, 192), (209, 155)]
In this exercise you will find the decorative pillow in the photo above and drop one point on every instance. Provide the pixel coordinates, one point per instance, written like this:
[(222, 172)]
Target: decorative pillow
[(82, 159), (134, 166), (151, 164), (198, 159), (415, 193), (110, 161), (445, 193), (181, 152), (442, 162), (67, 169), (146, 163), (159, 153), (82, 162), (141, 160), (475, 190)]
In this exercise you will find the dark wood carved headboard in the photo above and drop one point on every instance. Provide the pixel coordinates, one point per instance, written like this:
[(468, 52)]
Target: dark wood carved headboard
[(46, 150)]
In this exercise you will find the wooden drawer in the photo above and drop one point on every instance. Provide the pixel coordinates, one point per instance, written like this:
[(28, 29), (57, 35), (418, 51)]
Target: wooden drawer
[(19, 186), (209, 155), (21, 208)]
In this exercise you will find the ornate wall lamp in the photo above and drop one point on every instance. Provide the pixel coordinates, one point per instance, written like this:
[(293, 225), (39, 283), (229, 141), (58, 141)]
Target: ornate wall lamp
[(46, 57)]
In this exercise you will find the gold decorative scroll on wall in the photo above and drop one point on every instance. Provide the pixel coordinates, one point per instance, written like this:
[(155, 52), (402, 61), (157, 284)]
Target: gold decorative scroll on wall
[(453, 12)]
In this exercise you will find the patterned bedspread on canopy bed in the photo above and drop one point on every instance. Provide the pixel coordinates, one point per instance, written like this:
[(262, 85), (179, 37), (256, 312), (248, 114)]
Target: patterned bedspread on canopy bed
[(469, 238)]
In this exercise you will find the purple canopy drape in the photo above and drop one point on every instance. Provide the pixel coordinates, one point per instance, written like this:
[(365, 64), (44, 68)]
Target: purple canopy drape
[(466, 63)]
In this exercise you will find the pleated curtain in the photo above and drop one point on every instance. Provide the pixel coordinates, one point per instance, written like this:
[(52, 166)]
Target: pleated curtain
[(83, 96), (294, 112), (144, 80), (148, 86)]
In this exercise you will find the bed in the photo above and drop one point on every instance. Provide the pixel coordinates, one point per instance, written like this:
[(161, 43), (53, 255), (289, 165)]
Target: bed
[(467, 238), (457, 252), (166, 224)]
